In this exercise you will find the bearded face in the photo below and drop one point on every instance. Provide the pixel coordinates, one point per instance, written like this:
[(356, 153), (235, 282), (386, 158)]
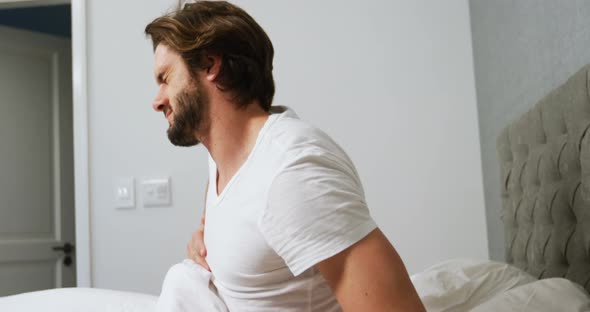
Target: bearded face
[(188, 116)]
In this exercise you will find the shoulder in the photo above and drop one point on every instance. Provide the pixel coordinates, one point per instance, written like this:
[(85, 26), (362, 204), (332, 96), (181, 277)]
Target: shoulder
[(303, 143), (311, 161)]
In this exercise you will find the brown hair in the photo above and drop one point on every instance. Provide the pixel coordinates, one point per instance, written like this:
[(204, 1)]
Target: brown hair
[(221, 28)]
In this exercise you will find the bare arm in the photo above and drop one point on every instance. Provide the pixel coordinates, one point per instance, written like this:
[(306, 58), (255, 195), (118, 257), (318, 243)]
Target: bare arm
[(370, 276)]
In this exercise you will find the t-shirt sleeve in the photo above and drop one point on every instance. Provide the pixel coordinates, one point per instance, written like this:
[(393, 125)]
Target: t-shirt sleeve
[(316, 209)]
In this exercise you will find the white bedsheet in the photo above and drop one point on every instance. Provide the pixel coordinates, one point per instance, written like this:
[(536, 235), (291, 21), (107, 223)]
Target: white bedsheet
[(452, 286), (186, 288), (79, 300)]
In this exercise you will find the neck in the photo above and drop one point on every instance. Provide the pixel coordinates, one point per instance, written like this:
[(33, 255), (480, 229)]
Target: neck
[(232, 135)]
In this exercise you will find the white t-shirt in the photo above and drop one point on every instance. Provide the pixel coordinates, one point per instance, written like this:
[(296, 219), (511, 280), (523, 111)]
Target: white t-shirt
[(297, 200)]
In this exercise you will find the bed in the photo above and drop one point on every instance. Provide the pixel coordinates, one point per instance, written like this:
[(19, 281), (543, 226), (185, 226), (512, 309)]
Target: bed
[(545, 169), (545, 176)]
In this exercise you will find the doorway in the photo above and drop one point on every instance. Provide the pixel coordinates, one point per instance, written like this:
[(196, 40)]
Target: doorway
[(37, 232)]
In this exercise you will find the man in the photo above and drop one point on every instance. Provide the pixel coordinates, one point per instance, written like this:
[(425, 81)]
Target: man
[(286, 226)]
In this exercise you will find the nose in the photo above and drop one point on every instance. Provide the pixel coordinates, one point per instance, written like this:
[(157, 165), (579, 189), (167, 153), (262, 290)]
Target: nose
[(161, 100)]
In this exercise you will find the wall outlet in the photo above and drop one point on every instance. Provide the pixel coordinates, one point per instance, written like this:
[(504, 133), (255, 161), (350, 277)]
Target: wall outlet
[(156, 192)]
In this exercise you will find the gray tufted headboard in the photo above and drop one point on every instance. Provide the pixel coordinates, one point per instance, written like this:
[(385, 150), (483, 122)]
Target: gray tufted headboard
[(545, 171)]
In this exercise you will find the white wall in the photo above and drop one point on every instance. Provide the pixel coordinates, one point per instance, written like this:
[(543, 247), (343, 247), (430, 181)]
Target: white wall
[(391, 81), (522, 50)]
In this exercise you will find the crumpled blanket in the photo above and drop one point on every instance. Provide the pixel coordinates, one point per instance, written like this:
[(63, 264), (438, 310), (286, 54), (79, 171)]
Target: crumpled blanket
[(188, 288)]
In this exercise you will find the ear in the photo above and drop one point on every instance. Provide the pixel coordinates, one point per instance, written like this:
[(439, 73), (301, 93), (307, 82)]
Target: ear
[(213, 67)]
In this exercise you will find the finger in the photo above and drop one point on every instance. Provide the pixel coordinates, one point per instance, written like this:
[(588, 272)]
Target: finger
[(192, 254), (203, 220), (198, 238), (198, 259), (204, 264), (198, 234), (200, 247)]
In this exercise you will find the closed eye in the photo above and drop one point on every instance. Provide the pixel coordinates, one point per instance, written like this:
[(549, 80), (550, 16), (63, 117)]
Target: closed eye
[(160, 79)]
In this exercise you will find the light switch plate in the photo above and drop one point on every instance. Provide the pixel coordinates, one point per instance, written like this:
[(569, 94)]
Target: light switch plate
[(124, 191), (156, 192)]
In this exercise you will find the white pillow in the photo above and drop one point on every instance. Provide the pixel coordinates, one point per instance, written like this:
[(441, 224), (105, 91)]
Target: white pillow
[(552, 294), (462, 284)]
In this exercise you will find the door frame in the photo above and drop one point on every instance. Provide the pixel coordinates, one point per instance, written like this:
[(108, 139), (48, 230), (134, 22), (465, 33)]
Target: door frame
[(81, 173), (80, 127)]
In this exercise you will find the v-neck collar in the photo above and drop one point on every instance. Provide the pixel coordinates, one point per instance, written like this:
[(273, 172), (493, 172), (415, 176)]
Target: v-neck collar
[(217, 198)]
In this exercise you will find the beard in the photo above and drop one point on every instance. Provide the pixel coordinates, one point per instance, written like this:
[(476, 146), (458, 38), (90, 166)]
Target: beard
[(189, 116)]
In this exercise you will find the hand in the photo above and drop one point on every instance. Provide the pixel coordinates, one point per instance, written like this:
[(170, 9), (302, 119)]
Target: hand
[(195, 249)]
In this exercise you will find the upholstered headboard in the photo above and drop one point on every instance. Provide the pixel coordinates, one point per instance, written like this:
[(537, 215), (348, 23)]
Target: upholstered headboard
[(545, 171)]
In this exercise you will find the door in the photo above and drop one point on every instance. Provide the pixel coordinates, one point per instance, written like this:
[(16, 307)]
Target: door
[(36, 163)]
